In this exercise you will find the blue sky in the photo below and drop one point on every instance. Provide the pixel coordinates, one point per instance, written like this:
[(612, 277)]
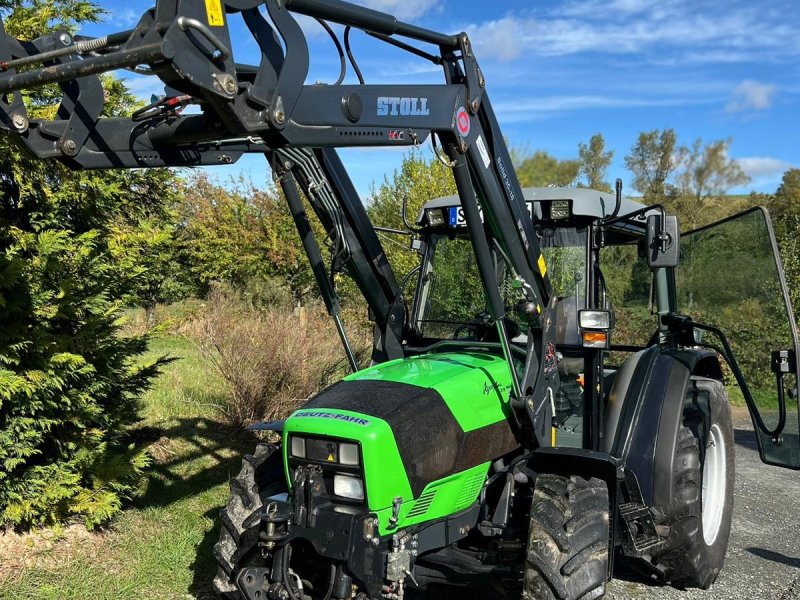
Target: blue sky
[(560, 70)]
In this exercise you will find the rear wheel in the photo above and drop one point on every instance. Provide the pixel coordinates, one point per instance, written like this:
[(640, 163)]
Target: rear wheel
[(567, 556), (261, 477), (699, 516)]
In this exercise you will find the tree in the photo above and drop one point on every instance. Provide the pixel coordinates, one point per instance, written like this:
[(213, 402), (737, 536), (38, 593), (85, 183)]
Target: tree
[(540, 169), (595, 161), (238, 234), (69, 382), (418, 180), (785, 208), (652, 161), (705, 174), (786, 202)]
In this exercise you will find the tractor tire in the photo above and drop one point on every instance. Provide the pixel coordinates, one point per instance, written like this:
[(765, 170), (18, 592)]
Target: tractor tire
[(568, 538), (699, 516), (261, 476)]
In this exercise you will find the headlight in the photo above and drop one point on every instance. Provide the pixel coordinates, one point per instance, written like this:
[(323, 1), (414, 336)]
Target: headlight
[(348, 454), (298, 447), (348, 487), (599, 320)]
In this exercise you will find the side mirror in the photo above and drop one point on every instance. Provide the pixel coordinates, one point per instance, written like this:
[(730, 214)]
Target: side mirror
[(663, 241)]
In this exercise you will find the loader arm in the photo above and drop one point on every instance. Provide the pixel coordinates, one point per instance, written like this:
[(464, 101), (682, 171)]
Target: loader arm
[(268, 108)]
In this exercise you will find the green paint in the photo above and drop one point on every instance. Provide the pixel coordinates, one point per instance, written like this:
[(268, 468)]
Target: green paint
[(384, 474), (475, 387), (439, 499)]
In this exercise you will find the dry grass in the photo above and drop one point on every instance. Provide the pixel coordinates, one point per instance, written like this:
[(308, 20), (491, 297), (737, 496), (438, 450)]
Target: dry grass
[(271, 359)]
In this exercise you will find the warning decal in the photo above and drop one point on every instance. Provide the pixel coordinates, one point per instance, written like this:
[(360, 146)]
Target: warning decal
[(542, 265), (216, 18)]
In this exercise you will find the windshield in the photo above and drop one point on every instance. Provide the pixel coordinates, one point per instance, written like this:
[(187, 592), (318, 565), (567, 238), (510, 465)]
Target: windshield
[(452, 297)]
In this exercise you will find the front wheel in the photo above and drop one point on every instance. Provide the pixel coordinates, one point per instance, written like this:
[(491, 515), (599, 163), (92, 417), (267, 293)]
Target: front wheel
[(260, 478), (568, 537)]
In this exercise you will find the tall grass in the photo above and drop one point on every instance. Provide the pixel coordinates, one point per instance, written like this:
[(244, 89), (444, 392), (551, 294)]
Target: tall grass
[(272, 359)]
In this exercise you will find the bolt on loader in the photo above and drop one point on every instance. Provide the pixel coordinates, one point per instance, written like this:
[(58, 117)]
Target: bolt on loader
[(546, 390)]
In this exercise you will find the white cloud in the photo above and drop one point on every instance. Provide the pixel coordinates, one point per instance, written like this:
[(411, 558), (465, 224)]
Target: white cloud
[(761, 168), (125, 17), (724, 32), (403, 9), (752, 95), (539, 107)]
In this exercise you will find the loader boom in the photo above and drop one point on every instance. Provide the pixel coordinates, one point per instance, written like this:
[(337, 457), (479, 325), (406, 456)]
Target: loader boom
[(268, 108)]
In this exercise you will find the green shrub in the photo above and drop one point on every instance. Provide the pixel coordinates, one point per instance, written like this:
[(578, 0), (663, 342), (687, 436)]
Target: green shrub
[(67, 381)]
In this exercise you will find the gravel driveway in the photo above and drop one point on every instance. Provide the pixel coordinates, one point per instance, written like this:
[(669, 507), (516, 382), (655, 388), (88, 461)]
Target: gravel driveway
[(763, 561)]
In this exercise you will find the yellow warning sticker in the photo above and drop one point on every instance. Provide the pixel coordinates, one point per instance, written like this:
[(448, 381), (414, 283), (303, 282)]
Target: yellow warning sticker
[(542, 266), (331, 458), (216, 18)]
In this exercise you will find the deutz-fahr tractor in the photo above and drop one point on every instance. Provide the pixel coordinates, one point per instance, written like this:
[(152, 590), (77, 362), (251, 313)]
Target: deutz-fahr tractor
[(546, 390)]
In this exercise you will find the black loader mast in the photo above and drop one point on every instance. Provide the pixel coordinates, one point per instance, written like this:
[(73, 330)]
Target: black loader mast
[(268, 108)]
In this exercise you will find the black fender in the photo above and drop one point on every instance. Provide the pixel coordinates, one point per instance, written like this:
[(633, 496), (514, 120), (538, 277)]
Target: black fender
[(645, 411)]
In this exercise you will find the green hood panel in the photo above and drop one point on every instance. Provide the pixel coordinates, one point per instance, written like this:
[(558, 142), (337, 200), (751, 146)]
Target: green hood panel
[(475, 385), (429, 427)]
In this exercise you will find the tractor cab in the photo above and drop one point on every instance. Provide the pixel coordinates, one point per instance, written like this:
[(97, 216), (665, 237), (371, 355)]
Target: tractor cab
[(614, 302), (450, 304)]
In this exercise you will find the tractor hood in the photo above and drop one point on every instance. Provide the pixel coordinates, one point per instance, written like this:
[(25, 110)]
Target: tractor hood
[(418, 420), (456, 376)]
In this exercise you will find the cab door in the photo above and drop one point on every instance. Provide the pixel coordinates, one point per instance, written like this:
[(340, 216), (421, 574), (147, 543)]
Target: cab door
[(731, 277)]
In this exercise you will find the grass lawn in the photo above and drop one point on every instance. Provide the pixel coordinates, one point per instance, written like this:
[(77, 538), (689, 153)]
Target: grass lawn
[(160, 547)]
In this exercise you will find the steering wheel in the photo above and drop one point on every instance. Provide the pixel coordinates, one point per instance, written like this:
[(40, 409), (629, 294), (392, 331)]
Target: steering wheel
[(485, 331)]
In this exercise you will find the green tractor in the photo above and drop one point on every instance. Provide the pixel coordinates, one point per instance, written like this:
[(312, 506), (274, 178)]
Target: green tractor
[(409, 475), (550, 395)]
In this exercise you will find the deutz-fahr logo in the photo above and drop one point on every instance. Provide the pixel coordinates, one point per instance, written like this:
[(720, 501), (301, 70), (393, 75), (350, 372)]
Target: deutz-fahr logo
[(406, 107)]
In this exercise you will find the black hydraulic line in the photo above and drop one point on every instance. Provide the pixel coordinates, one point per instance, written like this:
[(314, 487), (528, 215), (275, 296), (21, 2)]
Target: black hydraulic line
[(82, 46), (437, 60), (480, 245), (390, 230), (342, 62), (683, 322), (368, 19), (635, 213), (329, 296), (350, 55), (331, 583), (82, 68)]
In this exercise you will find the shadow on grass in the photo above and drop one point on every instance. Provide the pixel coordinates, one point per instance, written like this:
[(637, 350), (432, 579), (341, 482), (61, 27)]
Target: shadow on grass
[(190, 457), (204, 566)]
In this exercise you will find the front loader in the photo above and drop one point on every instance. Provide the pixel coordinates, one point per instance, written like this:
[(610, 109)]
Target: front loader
[(545, 390)]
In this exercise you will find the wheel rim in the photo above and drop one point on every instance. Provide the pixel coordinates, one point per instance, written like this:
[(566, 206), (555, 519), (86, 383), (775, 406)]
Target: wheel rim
[(714, 480)]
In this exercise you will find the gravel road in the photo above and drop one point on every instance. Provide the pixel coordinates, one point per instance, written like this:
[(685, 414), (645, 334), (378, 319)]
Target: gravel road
[(763, 561)]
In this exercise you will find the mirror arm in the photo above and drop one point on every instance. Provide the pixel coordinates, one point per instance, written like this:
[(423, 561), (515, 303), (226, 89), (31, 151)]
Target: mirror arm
[(408, 225), (684, 323)]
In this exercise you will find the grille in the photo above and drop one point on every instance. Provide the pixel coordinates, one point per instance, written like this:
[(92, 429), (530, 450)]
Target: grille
[(422, 504), (470, 490)]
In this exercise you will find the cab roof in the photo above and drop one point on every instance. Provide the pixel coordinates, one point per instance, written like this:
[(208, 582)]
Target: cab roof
[(585, 202)]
